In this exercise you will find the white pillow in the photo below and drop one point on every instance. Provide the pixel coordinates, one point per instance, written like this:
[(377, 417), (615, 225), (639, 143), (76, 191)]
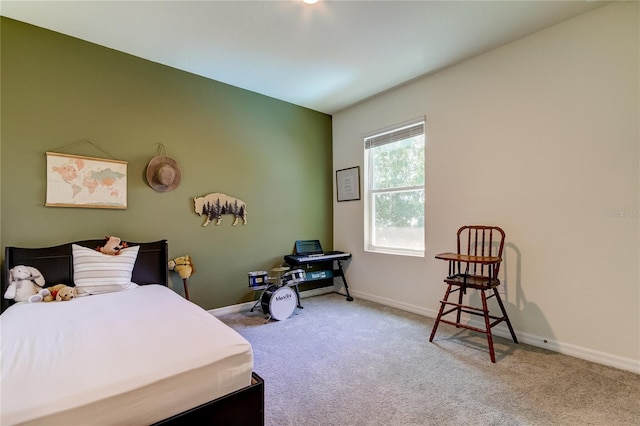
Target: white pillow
[(95, 272)]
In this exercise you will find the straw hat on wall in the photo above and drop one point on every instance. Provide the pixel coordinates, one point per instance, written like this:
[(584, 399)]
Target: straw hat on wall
[(163, 174)]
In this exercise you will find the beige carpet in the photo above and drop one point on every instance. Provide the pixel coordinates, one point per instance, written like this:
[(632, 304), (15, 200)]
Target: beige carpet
[(359, 363)]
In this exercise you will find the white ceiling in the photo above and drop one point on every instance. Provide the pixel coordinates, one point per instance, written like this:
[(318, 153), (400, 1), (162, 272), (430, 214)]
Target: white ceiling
[(325, 57)]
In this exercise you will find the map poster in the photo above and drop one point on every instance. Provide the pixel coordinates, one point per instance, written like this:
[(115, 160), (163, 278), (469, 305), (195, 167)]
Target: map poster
[(75, 181)]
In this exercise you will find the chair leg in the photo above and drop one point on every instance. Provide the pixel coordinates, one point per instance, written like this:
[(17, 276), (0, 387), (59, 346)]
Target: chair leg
[(487, 324), (442, 305), (461, 292), (505, 316)]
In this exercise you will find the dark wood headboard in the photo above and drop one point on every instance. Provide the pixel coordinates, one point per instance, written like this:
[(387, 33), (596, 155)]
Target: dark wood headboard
[(56, 263)]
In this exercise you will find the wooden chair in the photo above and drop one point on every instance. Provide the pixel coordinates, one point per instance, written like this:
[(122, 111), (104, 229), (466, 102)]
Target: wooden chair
[(475, 265)]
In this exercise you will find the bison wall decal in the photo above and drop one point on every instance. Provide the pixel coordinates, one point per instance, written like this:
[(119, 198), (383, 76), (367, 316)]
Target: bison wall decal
[(214, 205)]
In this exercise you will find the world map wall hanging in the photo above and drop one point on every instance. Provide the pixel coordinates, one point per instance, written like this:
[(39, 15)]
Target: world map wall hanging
[(77, 181)]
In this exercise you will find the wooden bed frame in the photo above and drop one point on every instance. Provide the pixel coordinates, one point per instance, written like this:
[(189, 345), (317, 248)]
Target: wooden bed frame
[(243, 407)]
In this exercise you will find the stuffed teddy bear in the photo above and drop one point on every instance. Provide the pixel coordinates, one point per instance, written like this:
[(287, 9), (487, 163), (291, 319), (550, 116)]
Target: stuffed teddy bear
[(183, 266), (59, 293), (112, 245), (25, 284)]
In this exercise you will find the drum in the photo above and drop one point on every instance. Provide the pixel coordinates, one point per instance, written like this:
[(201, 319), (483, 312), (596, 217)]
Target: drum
[(279, 302), (258, 279), (293, 277)]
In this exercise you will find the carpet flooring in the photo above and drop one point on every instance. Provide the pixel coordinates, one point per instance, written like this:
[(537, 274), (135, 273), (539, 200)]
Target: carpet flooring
[(360, 363)]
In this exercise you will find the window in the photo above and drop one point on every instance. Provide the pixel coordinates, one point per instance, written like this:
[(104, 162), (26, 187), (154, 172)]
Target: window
[(394, 189)]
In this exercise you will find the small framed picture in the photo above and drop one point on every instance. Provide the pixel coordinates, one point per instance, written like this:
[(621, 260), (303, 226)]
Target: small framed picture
[(348, 184)]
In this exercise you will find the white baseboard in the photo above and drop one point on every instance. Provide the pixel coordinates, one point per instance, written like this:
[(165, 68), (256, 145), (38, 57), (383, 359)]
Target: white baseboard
[(500, 330)]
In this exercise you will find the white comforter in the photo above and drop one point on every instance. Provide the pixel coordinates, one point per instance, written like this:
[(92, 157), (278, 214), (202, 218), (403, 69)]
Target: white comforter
[(131, 357)]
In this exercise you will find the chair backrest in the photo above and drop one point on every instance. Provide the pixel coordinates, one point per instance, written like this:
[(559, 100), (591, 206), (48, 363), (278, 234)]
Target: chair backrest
[(479, 240)]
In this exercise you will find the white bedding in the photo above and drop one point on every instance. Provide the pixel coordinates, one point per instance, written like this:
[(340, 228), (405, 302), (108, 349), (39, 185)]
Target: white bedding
[(129, 358)]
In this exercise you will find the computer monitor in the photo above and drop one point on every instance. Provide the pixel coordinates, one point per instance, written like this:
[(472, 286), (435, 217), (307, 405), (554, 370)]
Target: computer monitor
[(308, 247)]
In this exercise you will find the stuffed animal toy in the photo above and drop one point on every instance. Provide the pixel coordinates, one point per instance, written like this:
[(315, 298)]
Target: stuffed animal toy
[(183, 266), (59, 293), (112, 245), (25, 284)]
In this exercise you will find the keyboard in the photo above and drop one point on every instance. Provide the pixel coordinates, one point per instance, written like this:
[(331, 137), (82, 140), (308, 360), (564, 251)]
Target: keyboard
[(317, 257)]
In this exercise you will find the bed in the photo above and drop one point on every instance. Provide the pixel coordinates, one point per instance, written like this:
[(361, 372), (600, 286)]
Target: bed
[(120, 353)]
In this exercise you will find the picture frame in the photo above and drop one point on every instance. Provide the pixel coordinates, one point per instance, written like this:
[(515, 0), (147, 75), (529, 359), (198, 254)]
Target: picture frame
[(348, 184), (87, 182)]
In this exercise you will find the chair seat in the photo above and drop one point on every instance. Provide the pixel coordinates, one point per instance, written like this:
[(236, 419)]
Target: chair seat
[(473, 281)]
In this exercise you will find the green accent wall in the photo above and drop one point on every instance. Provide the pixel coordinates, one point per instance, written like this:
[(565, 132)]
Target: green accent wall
[(57, 91)]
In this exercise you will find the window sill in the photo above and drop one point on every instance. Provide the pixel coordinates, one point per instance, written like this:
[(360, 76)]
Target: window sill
[(396, 252)]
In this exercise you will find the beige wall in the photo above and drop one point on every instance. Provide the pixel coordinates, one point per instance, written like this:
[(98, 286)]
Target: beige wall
[(540, 137), (57, 90)]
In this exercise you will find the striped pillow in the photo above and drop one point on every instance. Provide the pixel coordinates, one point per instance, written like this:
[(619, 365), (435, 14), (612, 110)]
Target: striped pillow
[(95, 272)]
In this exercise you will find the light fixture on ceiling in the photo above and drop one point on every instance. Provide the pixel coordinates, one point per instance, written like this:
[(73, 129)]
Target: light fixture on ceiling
[(310, 1)]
